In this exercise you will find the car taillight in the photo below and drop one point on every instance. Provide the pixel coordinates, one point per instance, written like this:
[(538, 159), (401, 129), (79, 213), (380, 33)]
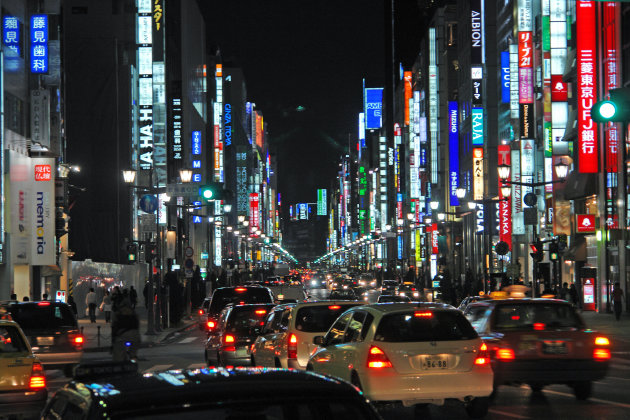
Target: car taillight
[(38, 380), (602, 341), (240, 289), (292, 347), (260, 312), (539, 326), (334, 307), (200, 311), (505, 354), (482, 357), (423, 314), (601, 354), (76, 340), (211, 325), (43, 303), (377, 359), (228, 343)]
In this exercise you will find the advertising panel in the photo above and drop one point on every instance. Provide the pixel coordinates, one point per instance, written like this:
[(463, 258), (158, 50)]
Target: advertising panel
[(526, 121), (505, 207), (20, 217), (254, 220), (373, 107), (477, 126), (611, 78), (505, 77), (434, 239), (478, 173), (42, 206), (586, 84), (585, 223), (408, 95), (476, 32), (453, 149), (39, 44), (322, 205)]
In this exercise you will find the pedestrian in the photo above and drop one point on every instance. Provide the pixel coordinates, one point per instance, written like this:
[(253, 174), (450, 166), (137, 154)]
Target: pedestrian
[(90, 301), (73, 305), (573, 294), (133, 297), (564, 292), (45, 296), (145, 293), (25, 299), (617, 296), (106, 306), (13, 296)]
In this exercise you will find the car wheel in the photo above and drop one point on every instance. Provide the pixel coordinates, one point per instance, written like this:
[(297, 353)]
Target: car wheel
[(536, 387), (583, 390), (478, 407), (354, 380)]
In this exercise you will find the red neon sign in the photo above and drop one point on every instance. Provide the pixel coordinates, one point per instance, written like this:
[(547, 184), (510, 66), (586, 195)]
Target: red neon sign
[(587, 82), (611, 78), (505, 206)]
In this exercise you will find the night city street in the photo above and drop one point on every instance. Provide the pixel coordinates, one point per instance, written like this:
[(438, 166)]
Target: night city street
[(293, 210)]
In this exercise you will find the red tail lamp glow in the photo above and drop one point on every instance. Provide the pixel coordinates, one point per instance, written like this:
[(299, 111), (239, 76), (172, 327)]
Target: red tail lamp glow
[(37, 380), (334, 307), (601, 354), (602, 341), (505, 354), (423, 314), (483, 358), (377, 359), (539, 326)]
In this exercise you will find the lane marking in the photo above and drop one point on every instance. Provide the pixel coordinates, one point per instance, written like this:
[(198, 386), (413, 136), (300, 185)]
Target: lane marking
[(157, 367), (187, 340), (504, 413), (197, 366), (599, 400)]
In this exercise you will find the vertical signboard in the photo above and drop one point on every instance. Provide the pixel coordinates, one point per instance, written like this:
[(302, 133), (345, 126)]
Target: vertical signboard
[(217, 119), (505, 207), (145, 84), (505, 77), (322, 204), (527, 164), (433, 103), (40, 117), (586, 86), (478, 173), (39, 44), (408, 88), (254, 220), (477, 126), (43, 251), (514, 90), (21, 185), (453, 152), (373, 105), (611, 78)]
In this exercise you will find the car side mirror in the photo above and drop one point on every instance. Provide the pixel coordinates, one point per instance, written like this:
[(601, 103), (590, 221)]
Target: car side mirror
[(320, 340)]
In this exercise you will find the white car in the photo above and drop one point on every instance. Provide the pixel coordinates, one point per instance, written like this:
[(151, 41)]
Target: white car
[(417, 354), (287, 338)]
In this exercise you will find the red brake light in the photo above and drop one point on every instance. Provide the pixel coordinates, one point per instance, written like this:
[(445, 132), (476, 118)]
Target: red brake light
[(78, 340), (211, 325), (334, 307), (292, 347), (260, 311), (505, 354), (539, 326), (43, 303), (240, 289), (601, 354), (228, 343), (377, 359), (423, 314), (515, 317), (228, 338), (200, 311), (37, 380), (482, 358), (602, 341)]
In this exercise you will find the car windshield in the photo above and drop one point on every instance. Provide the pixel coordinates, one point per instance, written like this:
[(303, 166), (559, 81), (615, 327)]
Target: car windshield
[(318, 318), (39, 317), (424, 325), (11, 340), (247, 320), (528, 316), (222, 297)]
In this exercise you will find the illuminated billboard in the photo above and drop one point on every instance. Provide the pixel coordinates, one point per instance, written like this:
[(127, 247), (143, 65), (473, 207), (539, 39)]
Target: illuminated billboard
[(39, 44), (477, 126), (453, 149), (373, 107)]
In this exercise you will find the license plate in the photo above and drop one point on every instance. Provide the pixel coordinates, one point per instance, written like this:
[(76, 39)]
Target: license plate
[(555, 347), (435, 363), (45, 341)]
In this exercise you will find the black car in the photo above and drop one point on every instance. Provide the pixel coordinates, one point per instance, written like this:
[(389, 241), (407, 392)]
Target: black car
[(237, 329), (389, 287), (342, 294), (238, 295), (52, 330), (119, 391)]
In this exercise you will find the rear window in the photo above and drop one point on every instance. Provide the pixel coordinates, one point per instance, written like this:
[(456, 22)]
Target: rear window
[(318, 318), (424, 325), (222, 297), (390, 283), (242, 321), (11, 341), (38, 317), (524, 316)]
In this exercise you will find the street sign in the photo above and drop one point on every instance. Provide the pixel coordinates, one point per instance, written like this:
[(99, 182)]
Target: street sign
[(189, 251), (147, 223), (189, 263), (60, 296), (148, 203), (182, 190)]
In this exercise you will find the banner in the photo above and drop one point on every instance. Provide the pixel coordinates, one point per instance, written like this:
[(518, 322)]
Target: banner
[(42, 210), (505, 207)]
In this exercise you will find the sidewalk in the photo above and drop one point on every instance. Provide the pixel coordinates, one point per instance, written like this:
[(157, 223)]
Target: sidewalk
[(607, 324), (98, 336)]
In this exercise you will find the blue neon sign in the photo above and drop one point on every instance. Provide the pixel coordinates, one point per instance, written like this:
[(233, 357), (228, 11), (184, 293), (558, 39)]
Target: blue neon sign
[(196, 142), (11, 33), (39, 44), (453, 151), (373, 107), (505, 77), (477, 126)]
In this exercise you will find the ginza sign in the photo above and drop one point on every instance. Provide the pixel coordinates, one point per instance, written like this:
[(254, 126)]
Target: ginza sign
[(587, 81)]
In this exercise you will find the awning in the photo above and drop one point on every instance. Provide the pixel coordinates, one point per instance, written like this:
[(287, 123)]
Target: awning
[(570, 72), (571, 131), (577, 250), (50, 271), (580, 185)]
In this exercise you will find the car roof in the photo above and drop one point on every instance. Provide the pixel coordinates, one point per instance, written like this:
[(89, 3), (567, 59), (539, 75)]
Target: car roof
[(388, 307), (325, 303), (523, 301), (130, 391)]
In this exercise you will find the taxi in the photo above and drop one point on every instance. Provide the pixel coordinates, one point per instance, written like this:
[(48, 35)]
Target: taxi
[(541, 342), (22, 380)]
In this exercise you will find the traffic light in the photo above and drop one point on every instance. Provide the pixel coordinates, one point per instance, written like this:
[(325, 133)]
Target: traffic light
[(537, 251), (615, 109), (150, 252), (211, 192), (553, 251), (132, 252)]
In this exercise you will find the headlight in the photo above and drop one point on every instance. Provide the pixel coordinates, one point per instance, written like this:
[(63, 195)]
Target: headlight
[(362, 283), (401, 293), (345, 287), (313, 282), (416, 294)]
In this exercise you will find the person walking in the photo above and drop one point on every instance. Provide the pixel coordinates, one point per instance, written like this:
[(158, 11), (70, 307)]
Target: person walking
[(73, 305), (106, 306), (90, 301), (574, 294), (617, 296), (133, 297)]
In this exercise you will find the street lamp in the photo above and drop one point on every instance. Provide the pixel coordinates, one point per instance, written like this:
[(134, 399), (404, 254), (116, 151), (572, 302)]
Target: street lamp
[(561, 169)]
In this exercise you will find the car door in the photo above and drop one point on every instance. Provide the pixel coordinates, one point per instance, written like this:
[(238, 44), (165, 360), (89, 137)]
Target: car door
[(263, 348), (350, 352), (214, 340), (329, 360)]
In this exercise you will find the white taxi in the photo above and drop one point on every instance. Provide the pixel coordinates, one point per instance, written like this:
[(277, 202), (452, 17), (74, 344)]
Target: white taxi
[(416, 354)]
